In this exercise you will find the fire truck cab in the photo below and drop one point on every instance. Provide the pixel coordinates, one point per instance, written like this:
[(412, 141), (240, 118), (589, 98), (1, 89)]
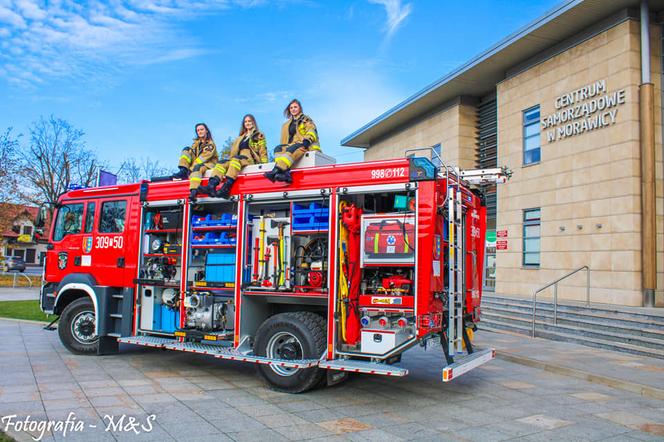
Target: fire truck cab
[(341, 271)]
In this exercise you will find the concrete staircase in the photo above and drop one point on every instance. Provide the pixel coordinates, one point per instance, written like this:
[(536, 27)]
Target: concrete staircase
[(624, 329)]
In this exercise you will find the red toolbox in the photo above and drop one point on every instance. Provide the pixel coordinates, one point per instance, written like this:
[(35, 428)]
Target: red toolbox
[(388, 239)]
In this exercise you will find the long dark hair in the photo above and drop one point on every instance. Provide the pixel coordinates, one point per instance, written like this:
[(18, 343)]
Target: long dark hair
[(208, 137), (242, 129), (287, 113)]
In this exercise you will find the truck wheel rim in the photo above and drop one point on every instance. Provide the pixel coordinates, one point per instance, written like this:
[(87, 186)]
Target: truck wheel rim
[(284, 345), (83, 328)]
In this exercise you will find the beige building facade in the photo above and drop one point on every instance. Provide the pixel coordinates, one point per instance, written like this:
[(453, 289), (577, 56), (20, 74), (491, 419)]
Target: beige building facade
[(559, 104)]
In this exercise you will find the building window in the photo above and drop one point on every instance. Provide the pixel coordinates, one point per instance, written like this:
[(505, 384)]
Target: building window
[(531, 135), (27, 230), (112, 217), (531, 237), (437, 155)]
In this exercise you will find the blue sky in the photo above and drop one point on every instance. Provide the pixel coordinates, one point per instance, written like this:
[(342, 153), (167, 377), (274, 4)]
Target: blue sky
[(136, 75)]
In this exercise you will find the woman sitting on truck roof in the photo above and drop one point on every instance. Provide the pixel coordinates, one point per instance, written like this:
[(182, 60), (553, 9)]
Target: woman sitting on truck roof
[(197, 158), (248, 148), (298, 136)]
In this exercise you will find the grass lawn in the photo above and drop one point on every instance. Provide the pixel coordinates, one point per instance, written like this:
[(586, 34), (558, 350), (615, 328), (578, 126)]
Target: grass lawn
[(5, 438), (23, 310)]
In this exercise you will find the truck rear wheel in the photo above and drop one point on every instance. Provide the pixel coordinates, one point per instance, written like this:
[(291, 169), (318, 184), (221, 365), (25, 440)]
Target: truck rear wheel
[(297, 335), (77, 328)]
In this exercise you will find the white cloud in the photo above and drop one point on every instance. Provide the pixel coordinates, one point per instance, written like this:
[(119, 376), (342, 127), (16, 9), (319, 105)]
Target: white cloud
[(30, 10), (396, 13), (65, 39), (11, 18)]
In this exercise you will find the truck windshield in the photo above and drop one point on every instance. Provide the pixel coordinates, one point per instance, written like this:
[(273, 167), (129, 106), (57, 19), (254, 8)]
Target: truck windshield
[(69, 220)]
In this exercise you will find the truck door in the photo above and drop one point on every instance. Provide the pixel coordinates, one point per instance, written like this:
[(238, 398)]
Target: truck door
[(65, 250), (105, 247)]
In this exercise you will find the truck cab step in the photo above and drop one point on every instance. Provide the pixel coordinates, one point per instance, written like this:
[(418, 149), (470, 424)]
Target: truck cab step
[(356, 366), (233, 355), (146, 341)]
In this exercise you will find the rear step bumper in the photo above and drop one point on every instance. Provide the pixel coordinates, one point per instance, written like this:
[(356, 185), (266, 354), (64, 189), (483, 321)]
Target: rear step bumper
[(466, 363)]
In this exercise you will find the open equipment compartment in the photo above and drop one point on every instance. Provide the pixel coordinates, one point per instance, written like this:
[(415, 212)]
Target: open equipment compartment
[(286, 258), (288, 246), (160, 269), (378, 262), (310, 245), (209, 308)]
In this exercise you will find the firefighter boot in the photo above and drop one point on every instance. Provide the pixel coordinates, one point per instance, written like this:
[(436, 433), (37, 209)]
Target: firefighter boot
[(225, 191), (192, 195), (284, 176), (271, 175), (181, 174), (211, 187)]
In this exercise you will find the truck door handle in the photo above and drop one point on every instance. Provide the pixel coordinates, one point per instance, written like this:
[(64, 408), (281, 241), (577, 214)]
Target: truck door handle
[(121, 262)]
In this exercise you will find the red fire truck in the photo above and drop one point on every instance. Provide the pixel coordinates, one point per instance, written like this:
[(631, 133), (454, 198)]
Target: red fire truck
[(341, 271)]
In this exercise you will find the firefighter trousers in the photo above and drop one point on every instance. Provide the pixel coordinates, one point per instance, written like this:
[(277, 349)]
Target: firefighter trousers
[(285, 155), (232, 167), (197, 174), (196, 167)]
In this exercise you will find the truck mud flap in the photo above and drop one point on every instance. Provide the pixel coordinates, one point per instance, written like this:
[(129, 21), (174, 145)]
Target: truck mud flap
[(463, 364), (367, 367)]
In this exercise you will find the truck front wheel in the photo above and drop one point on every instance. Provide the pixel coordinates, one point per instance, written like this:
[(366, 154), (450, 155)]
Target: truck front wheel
[(77, 328), (292, 336)]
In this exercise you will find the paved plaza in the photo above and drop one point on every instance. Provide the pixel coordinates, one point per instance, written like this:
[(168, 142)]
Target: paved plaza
[(197, 398)]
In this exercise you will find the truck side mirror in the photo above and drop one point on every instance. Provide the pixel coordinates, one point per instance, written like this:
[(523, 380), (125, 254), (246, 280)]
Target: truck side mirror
[(41, 216)]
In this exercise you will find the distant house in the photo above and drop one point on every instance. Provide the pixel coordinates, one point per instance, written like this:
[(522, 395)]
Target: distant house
[(20, 237)]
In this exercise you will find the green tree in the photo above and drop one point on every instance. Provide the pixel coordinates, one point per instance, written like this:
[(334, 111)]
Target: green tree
[(225, 151)]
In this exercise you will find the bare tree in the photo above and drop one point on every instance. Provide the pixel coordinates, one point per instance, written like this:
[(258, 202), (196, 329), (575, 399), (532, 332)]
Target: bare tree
[(9, 167), (56, 158), (133, 170)]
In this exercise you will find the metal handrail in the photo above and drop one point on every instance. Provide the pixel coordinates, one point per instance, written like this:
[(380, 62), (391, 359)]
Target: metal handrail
[(15, 274), (555, 294)]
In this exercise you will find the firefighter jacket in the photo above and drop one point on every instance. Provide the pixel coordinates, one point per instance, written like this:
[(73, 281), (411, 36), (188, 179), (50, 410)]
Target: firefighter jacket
[(305, 128), (257, 147), (201, 152)]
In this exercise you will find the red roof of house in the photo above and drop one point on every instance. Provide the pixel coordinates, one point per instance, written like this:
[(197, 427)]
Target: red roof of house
[(9, 213)]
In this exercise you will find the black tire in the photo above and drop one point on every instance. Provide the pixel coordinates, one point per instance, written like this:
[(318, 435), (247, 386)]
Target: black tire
[(296, 335), (77, 327)]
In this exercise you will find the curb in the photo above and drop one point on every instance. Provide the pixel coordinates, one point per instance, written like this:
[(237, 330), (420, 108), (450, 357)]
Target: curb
[(632, 387), (27, 321)]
